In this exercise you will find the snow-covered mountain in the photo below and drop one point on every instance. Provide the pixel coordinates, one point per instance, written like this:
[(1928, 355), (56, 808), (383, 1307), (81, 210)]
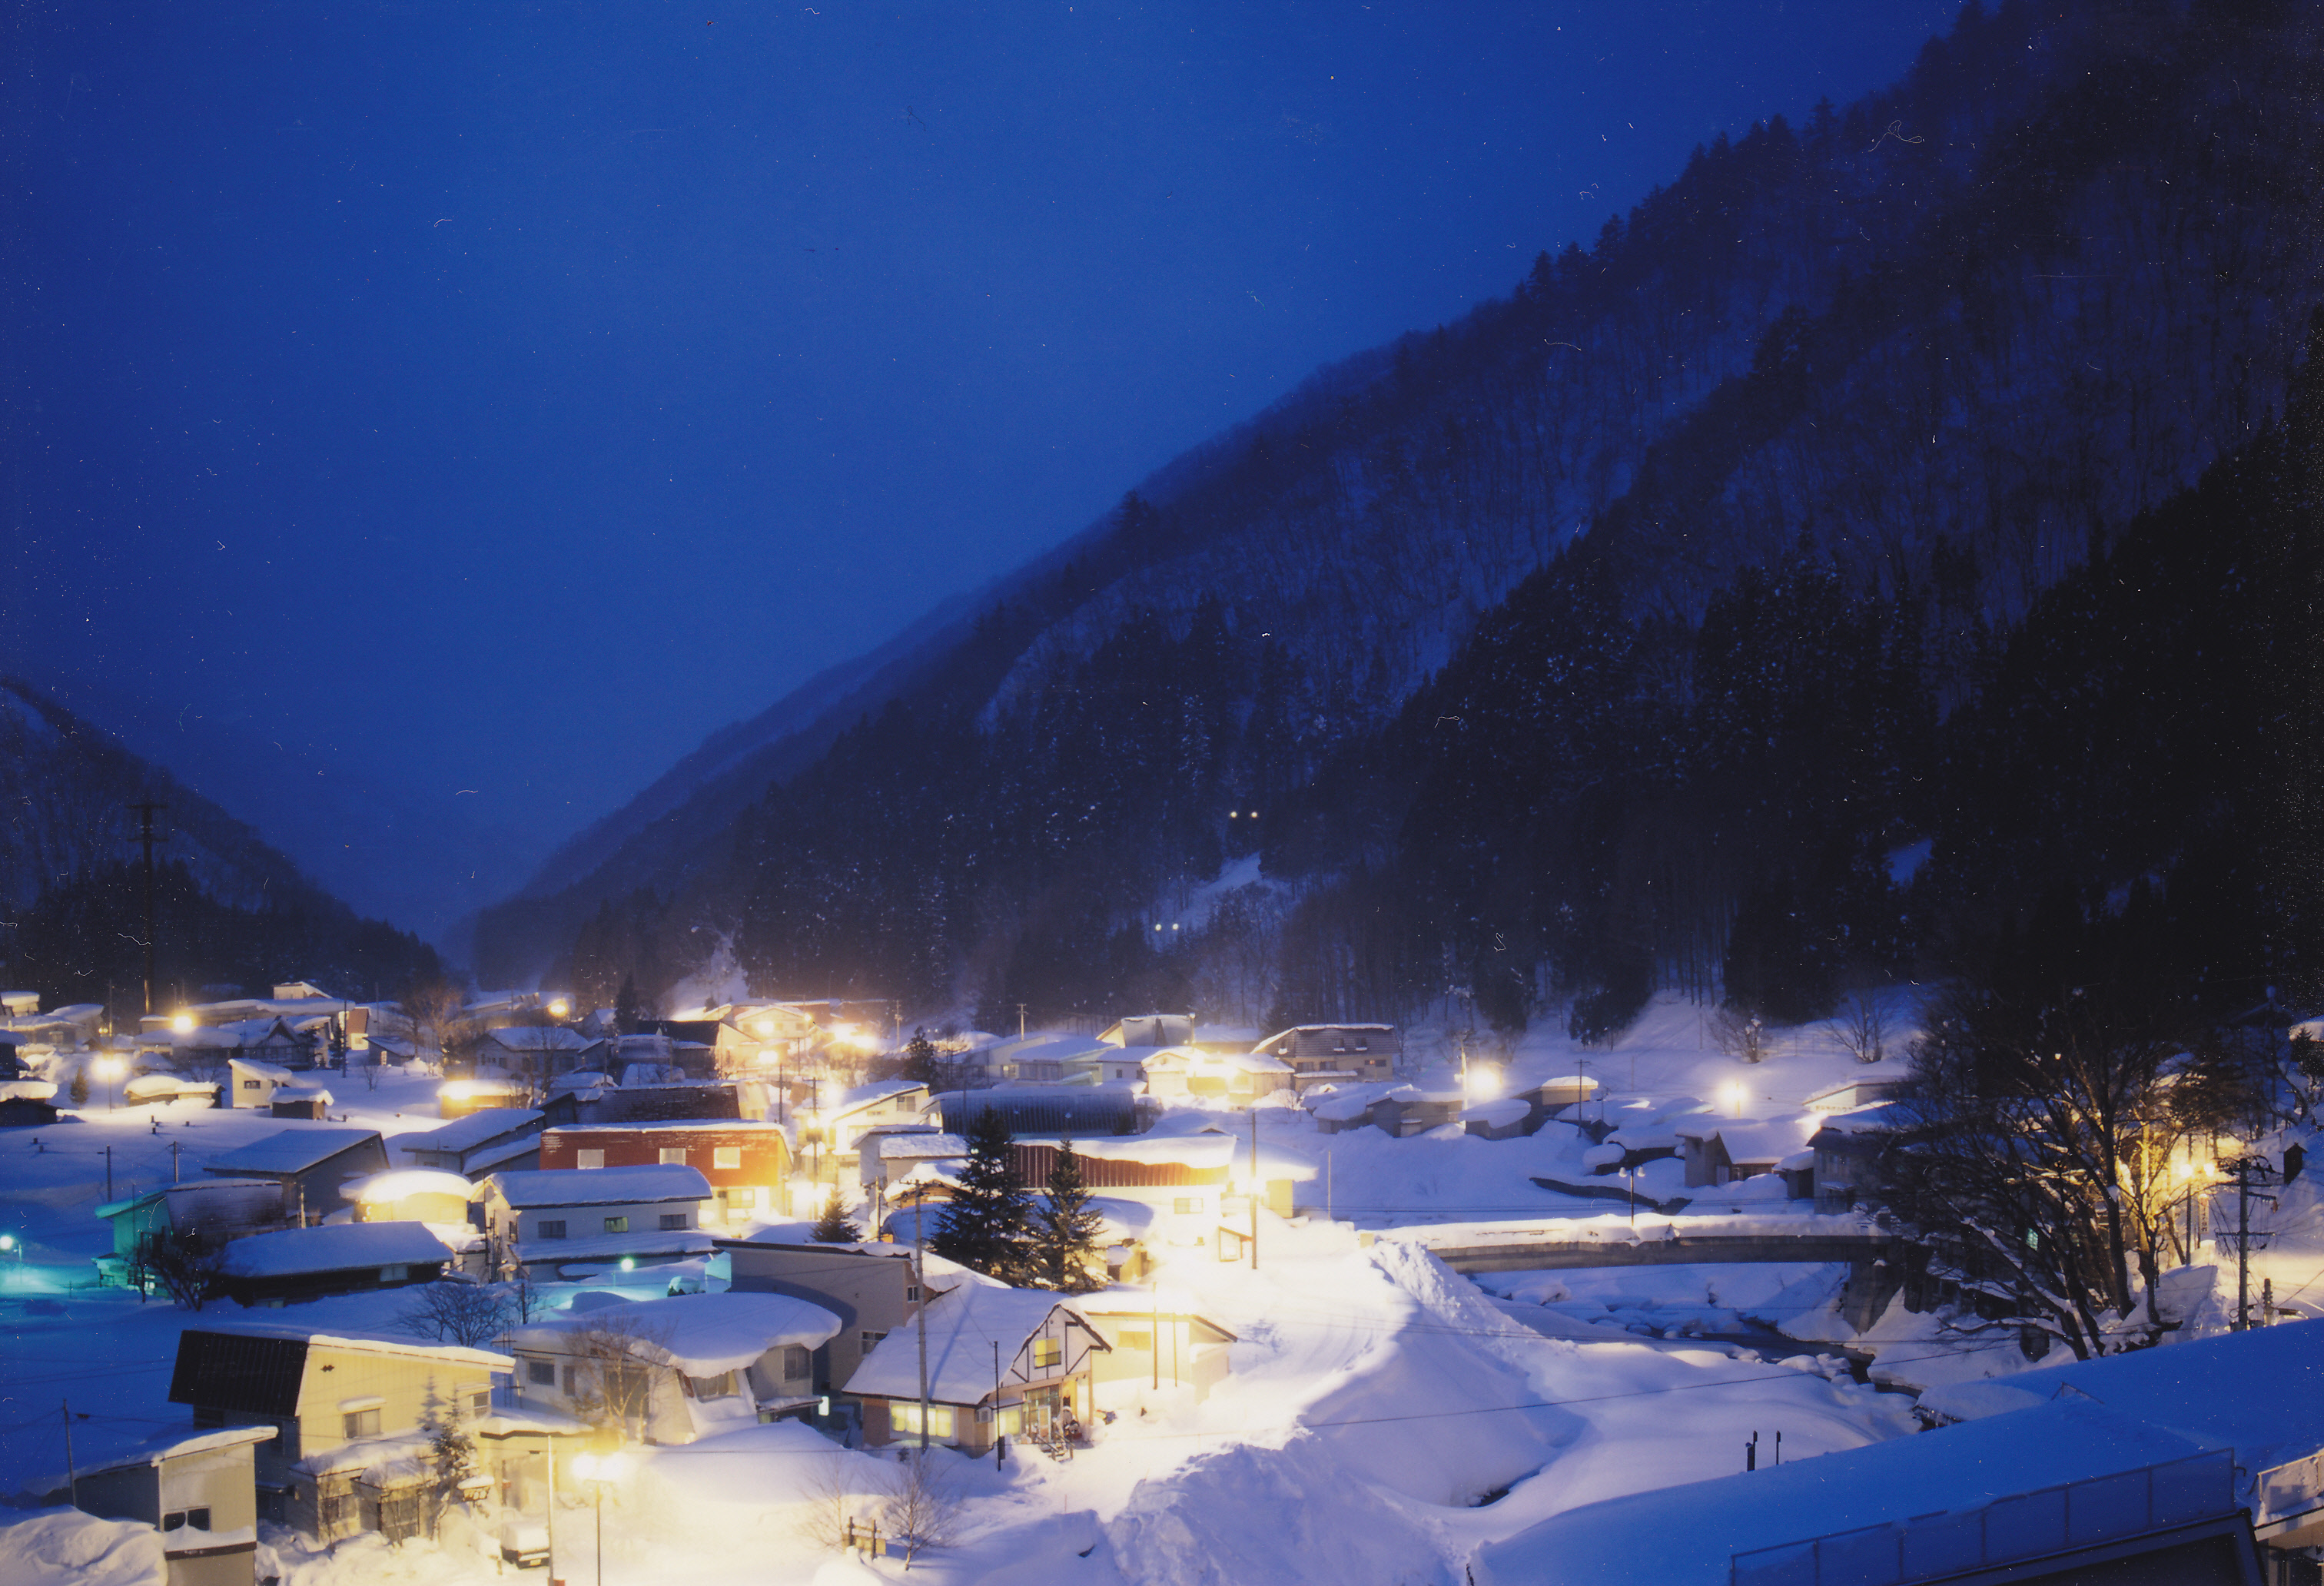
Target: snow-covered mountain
[(1947, 340)]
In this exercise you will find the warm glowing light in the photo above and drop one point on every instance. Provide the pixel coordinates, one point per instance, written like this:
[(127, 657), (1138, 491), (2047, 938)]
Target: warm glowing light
[(182, 1022), (559, 1008), (459, 1090), (1732, 1094), (109, 1068), (762, 1028), (606, 1466), (1484, 1083)]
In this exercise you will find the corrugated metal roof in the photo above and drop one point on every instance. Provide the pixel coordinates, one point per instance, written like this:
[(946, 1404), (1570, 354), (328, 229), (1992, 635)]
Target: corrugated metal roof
[(239, 1373)]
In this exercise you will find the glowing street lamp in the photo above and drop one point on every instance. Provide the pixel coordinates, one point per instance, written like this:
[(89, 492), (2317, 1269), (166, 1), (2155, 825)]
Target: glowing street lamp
[(1732, 1094), (182, 1022), (108, 1069), (558, 1008), (600, 1471), (1484, 1083)]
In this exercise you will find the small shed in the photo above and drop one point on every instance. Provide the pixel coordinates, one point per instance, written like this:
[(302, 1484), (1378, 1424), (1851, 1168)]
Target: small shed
[(253, 1083), (299, 1099), (197, 1488), (312, 1163), (27, 1103)]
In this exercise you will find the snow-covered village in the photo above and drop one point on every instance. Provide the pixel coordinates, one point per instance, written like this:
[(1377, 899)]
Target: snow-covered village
[(1163, 795)]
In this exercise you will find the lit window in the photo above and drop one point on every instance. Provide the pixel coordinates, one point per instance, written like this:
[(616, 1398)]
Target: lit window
[(906, 1416), (1136, 1340), (1047, 1353), (743, 1198), (595, 1158), (617, 1225), (673, 1156), (360, 1423), (1187, 1205), (726, 1156)]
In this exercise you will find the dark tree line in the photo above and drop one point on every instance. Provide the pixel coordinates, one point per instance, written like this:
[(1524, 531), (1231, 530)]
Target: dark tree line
[(83, 940)]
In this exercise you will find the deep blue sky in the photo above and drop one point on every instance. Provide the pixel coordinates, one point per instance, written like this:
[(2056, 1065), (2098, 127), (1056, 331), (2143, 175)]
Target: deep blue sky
[(505, 396)]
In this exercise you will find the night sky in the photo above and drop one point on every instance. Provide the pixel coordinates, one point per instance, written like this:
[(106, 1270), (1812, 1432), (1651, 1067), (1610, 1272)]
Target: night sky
[(502, 397)]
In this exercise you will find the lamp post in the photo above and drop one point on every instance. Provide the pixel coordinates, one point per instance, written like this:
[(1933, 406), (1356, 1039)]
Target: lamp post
[(108, 1069), (599, 1470)]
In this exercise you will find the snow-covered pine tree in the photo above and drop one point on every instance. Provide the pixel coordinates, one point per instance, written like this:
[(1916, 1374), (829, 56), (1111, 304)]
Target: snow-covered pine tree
[(834, 1226), (988, 1224), (1067, 1230)]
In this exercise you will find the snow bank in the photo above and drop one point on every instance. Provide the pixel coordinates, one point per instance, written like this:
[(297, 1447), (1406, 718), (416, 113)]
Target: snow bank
[(69, 1548)]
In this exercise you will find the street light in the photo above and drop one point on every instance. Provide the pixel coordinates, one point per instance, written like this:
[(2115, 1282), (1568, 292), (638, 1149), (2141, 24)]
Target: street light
[(108, 1069), (558, 1008), (598, 1470), (1733, 1095), (182, 1022)]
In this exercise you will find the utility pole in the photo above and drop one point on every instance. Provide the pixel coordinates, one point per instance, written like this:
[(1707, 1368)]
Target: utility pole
[(1020, 1021), (999, 1448), (145, 835), (2246, 1171), (108, 1173), (1254, 1185), (72, 1474), (921, 1317)]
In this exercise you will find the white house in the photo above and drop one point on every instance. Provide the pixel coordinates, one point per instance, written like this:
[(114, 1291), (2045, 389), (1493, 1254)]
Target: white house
[(594, 1216), (674, 1369), (1236, 1079), (1009, 1362)]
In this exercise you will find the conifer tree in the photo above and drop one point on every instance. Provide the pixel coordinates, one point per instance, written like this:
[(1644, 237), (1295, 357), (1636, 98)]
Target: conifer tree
[(1066, 1228), (78, 1091), (988, 1225), (835, 1227)]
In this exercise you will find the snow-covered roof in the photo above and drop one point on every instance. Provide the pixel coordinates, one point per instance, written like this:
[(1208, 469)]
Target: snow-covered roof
[(484, 1124), (1169, 1058), (913, 1147), (333, 1248), (667, 1125), (358, 1341), (147, 1085), (30, 1090), (702, 1334), (484, 1159), (293, 1150), (598, 1186), (1752, 1139), (538, 1037), (1498, 1114), (859, 1097), (397, 1183), (250, 1068), (1048, 1048), (963, 1325), (173, 1442), (1690, 1534)]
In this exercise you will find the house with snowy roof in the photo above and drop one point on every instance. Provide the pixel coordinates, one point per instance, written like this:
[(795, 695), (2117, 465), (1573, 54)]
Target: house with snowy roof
[(539, 1053), (748, 1164), (871, 1286), (1000, 1362), (349, 1412), (548, 1218), (1151, 1345), (290, 1264), (197, 1489), (600, 1099), (1337, 1053), (674, 1369), (457, 1098), (215, 1208), (1043, 1057), (449, 1146), (311, 1164), (1236, 1079), (845, 1118), (1150, 1029), (1719, 1151)]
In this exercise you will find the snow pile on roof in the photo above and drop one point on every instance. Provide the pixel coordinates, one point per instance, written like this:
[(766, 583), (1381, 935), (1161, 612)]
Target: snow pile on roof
[(148, 1087), (333, 1248), (461, 1133), (1498, 1114), (377, 1344), (1753, 1139), (1206, 1150), (601, 1186), (857, 1098), (702, 1334), (294, 1150), (397, 1183), (914, 1148), (66, 1548), (32, 1090), (525, 1037), (962, 1325), (1692, 1533)]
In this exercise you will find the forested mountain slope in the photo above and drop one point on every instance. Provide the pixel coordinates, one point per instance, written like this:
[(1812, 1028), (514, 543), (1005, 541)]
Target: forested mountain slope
[(1841, 401), (233, 911)]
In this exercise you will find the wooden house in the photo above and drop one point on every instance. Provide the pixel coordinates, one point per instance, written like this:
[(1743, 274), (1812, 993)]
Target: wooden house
[(1041, 1387), (543, 1220), (199, 1489), (312, 1164), (1338, 1054), (747, 1164), (288, 1265)]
